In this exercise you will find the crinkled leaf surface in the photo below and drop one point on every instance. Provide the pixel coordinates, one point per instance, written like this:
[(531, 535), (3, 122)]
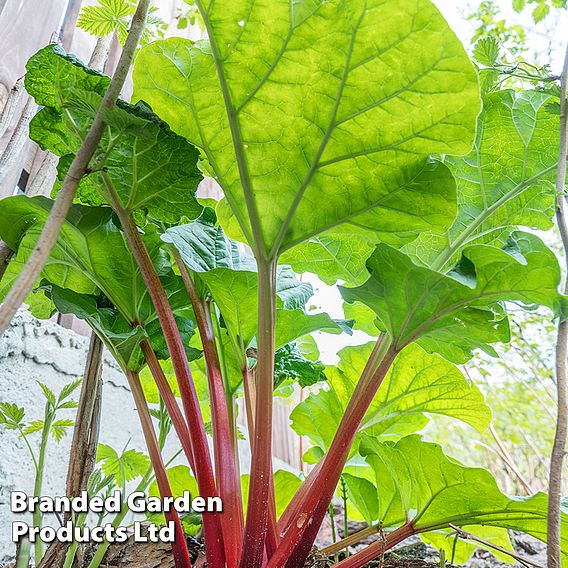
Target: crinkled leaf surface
[(315, 111), (455, 313), (291, 365), (339, 254), (91, 253), (505, 181), (418, 384), (150, 168), (419, 483), (204, 246)]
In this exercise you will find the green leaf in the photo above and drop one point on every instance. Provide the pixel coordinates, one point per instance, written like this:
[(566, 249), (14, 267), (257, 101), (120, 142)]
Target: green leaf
[(417, 385), (291, 365), (48, 394), (59, 429), (486, 51), (540, 12), (462, 550), (203, 246), (363, 495), (419, 484), (363, 317), (519, 5), (151, 389), (236, 294), (506, 181), (92, 274), (68, 390), (291, 324), (103, 19), (113, 329), (124, 467), (181, 480), (34, 426), (11, 415), (338, 254), (313, 133), (149, 167), (456, 313)]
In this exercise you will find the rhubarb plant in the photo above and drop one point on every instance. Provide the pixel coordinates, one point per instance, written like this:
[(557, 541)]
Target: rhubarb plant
[(349, 140)]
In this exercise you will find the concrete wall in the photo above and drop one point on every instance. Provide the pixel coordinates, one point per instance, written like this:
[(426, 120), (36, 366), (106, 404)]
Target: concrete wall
[(33, 350)]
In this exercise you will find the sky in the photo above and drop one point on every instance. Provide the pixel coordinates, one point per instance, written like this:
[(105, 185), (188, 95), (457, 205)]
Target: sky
[(327, 298), (538, 36)]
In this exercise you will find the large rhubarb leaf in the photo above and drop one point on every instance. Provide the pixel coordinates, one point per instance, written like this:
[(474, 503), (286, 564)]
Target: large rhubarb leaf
[(417, 385), (454, 313), (505, 181), (420, 485), (316, 111), (149, 167)]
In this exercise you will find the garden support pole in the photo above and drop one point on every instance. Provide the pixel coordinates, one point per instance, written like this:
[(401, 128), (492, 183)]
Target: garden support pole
[(38, 257), (559, 446), (87, 422)]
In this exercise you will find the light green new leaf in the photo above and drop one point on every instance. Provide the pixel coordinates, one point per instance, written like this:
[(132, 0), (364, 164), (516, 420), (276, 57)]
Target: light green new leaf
[(455, 313), (315, 111), (181, 480), (419, 484), (104, 18), (505, 181), (363, 495), (149, 167), (418, 384), (124, 467)]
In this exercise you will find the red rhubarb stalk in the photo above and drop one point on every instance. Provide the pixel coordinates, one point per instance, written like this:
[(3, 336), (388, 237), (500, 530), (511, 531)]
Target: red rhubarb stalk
[(303, 528), (227, 476), (202, 460), (179, 546), (377, 548), (176, 416)]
